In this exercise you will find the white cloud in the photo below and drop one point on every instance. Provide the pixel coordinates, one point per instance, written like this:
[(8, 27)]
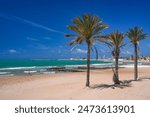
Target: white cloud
[(81, 51), (126, 52), (12, 51), (38, 25), (35, 39), (32, 39), (41, 46), (12, 17)]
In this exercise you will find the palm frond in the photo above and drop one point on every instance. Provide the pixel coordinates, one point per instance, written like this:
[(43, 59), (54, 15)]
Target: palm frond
[(114, 41), (70, 35), (72, 42), (135, 34), (86, 28)]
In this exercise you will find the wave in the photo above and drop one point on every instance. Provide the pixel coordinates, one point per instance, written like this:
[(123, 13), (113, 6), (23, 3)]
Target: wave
[(45, 67), (6, 74), (73, 66), (103, 64), (10, 71), (2, 73), (28, 72), (17, 68)]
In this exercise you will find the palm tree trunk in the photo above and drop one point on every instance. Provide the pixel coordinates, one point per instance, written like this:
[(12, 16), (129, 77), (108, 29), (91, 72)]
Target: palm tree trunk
[(88, 67), (116, 76), (135, 62)]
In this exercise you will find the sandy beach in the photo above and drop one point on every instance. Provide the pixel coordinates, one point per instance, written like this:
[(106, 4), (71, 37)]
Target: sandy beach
[(72, 86)]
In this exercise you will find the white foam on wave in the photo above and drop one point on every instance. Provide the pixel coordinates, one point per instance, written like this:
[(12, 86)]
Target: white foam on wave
[(74, 66), (30, 72), (132, 65), (7, 75), (17, 68), (103, 64), (42, 70), (2, 73)]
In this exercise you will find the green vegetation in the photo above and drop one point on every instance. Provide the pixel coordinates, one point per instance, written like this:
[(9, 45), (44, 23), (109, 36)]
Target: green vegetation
[(135, 35), (89, 28), (86, 29), (115, 42)]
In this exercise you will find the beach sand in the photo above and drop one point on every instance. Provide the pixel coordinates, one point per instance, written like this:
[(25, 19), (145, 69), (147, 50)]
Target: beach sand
[(72, 86)]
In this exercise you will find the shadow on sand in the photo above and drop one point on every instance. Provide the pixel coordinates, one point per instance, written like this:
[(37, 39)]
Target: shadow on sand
[(122, 85), (144, 78), (141, 79), (112, 86)]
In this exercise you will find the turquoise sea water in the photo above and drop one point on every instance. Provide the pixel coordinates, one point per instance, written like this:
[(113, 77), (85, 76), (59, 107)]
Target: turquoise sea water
[(13, 67)]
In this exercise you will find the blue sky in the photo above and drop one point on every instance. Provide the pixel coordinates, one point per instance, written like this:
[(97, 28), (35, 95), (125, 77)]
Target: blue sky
[(36, 28)]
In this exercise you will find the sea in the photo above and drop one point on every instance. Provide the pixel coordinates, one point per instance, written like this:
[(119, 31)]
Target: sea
[(38, 66)]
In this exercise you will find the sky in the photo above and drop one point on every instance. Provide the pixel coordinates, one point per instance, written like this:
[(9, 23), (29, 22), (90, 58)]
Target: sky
[(35, 29)]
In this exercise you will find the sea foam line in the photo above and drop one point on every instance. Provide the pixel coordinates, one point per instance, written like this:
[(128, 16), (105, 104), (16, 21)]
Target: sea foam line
[(15, 68), (2, 73), (132, 65)]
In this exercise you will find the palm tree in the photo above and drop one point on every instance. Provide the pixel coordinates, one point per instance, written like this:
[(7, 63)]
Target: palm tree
[(86, 28), (136, 35), (114, 42)]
